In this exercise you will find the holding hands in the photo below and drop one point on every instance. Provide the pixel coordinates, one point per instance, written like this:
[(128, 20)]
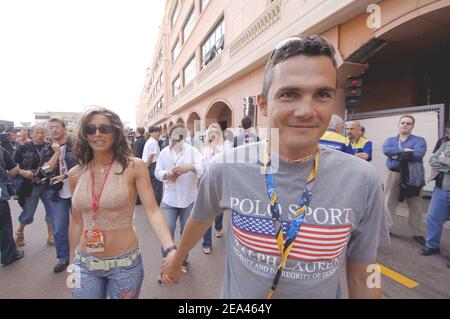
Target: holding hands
[(170, 269)]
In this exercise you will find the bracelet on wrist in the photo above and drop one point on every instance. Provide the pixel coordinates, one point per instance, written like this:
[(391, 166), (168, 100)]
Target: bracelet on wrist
[(168, 250)]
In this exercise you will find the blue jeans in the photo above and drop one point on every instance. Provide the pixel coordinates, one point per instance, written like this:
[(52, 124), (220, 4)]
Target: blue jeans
[(438, 212), (27, 215), (172, 214), (118, 282), (8, 248), (207, 237), (60, 224)]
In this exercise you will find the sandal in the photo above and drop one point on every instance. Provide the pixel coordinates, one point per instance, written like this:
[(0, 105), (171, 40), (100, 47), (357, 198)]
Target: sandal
[(20, 238)]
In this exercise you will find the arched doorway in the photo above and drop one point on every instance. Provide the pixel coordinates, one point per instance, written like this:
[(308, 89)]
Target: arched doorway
[(170, 125), (193, 122), (180, 120), (221, 113), (408, 61)]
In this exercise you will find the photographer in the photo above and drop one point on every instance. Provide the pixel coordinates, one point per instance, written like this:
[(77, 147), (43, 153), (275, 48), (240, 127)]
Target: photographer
[(8, 248), (60, 160), (29, 185)]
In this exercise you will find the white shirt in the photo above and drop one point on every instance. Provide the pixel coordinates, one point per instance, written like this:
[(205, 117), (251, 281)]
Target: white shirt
[(208, 153), (182, 192), (65, 190), (151, 147)]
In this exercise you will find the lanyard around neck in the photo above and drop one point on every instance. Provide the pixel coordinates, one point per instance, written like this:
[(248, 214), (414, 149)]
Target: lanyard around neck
[(96, 199), (285, 246)]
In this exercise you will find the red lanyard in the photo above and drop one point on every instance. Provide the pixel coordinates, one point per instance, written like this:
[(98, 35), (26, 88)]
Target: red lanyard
[(95, 199)]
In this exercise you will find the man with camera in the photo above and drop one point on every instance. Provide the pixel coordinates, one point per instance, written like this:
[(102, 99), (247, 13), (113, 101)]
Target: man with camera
[(60, 160), (30, 186)]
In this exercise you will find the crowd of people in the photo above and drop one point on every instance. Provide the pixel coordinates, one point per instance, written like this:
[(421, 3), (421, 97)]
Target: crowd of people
[(288, 225)]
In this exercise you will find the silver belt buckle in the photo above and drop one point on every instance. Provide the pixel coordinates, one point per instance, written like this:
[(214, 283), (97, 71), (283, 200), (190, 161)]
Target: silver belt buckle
[(97, 265)]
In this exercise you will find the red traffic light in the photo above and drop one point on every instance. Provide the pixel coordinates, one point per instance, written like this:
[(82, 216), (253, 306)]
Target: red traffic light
[(354, 82)]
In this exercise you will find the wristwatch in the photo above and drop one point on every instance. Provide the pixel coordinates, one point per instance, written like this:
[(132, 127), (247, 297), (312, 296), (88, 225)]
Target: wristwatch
[(168, 250)]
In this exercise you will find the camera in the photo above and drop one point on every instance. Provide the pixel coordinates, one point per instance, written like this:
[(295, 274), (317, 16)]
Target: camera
[(43, 176)]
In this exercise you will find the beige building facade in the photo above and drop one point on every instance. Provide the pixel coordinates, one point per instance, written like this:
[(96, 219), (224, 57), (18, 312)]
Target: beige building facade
[(210, 55), (70, 118)]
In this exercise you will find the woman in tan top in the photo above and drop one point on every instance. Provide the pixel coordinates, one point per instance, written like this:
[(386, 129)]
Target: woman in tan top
[(104, 187)]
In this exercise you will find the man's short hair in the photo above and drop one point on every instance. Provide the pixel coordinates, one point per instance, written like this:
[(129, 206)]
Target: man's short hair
[(140, 130), (63, 124), (153, 129), (308, 45), (409, 116), (335, 120), (356, 123), (246, 122), (36, 125)]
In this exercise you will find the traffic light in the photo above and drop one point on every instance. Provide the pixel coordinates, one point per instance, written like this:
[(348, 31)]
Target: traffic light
[(353, 92)]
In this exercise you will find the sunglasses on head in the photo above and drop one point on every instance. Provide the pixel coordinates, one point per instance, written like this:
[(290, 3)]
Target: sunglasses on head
[(103, 129)]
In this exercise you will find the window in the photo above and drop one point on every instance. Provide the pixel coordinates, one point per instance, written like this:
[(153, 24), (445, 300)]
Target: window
[(175, 12), (189, 25), (176, 50), (176, 85), (158, 60), (160, 104), (203, 4), (161, 79), (158, 85), (189, 71), (213, 44)]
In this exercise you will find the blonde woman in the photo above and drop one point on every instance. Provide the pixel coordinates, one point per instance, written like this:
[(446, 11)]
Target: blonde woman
[(105, 184), (212, 146)]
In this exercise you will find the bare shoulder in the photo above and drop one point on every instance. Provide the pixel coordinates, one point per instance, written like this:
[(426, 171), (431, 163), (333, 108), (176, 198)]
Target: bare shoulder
[(136, 165), (75, 171), (74, 174)]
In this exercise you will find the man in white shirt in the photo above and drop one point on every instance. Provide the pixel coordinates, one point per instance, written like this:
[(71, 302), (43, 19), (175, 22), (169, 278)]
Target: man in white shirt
[(179, 167), (150, 156), (60, 160)]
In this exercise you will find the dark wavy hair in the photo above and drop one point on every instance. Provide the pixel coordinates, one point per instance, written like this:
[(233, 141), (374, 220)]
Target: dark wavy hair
[(83, 153)]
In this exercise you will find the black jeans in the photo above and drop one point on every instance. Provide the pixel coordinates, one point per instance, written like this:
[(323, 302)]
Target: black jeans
[(8, 248), (156, 183)]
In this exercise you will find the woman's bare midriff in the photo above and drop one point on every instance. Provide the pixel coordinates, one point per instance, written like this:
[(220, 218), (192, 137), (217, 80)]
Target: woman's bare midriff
[(117, 242)]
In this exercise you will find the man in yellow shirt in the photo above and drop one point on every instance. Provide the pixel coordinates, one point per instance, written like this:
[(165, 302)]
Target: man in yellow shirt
[(361, 146)]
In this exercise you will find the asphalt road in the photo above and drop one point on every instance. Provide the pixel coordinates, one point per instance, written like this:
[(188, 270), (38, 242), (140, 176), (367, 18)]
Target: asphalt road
[(33, 277)]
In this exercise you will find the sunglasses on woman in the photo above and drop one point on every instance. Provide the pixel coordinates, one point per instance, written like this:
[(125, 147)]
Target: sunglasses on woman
[(103, 129)]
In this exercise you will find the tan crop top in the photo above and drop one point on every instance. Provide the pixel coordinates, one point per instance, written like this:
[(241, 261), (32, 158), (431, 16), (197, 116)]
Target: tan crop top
[(115, 210)]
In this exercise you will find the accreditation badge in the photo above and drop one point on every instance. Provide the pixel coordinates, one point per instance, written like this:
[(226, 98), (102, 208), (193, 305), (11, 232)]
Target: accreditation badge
[(94, 241)]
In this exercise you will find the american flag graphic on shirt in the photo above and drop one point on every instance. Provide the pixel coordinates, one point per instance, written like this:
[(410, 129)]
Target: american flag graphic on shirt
[(313, 242)]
